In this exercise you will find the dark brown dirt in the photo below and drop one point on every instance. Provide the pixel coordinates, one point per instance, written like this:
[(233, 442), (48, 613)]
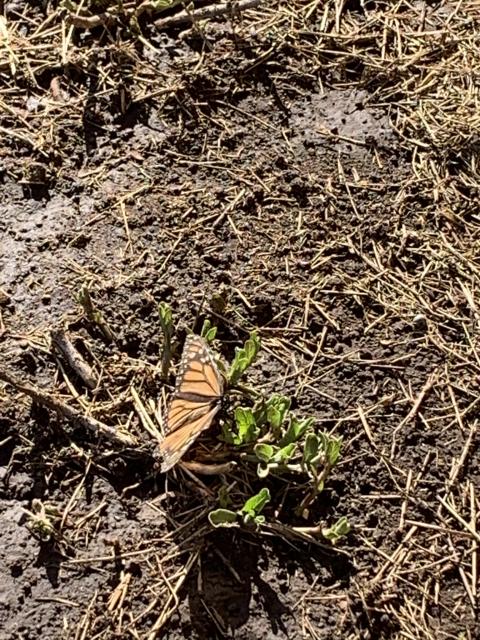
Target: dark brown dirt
[(230, 184)]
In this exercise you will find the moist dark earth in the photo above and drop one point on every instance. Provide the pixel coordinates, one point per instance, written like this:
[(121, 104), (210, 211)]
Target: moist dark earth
[(260, 189)]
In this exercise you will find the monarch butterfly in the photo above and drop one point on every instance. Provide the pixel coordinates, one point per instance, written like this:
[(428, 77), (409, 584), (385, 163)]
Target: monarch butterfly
[(195, 402)]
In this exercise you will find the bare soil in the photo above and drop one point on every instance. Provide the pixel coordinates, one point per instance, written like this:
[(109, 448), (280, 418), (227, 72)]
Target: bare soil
[(267, 172)]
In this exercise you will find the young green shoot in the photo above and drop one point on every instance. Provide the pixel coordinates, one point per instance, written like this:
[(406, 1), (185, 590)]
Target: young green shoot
[(208, 331), (93, 314), (249, 514), (337, 531), (166, 323), (42, 520), (244, 430), (244, 357), (269, 441)]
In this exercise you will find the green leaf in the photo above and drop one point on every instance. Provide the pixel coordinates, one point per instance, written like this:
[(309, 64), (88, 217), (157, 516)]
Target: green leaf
[(331, 447), (284, 454), (247, 430), (208, 331), (243, 358), (296, 429), (228, 434), (224, 499), (264, 452), (340, 529), (277, 408), (166, 317), (311, 449), (254, 505), (222, 518), (260, 413)]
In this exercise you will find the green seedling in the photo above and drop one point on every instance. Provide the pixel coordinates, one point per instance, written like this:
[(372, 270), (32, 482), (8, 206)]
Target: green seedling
[(244, 430), (295, 430), (166, 322), (274, 458), (264, 452), (223, 518), (93, 314), (275, 415), (249, 514), (320, 454), (277, 409), (337, 531), (224, 499), (244, 357), (253, 507), (332, 447), (208, 331), (42, 519), (280, 443), (311, 450), (272, 412)]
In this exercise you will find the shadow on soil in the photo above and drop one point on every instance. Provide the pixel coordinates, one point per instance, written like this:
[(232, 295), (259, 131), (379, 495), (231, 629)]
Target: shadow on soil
[(238, 574)]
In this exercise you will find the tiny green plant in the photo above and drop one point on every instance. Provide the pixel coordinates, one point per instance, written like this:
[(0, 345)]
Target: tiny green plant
[(166, 322), (281, 442), (42, 520), (272, 442), (244, 428), (208, 331), (320, 454), (93, 314), (277, 408), (337, 531), (249, 514), (244, 357)]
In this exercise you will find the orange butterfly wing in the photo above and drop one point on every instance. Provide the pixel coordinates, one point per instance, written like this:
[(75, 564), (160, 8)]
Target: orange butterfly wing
[(195, 401), (176, 443)]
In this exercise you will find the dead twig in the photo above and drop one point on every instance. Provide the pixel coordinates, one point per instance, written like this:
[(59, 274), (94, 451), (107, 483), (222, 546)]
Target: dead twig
[(90, 22), (51, 402), (62, 342), (211, 11)]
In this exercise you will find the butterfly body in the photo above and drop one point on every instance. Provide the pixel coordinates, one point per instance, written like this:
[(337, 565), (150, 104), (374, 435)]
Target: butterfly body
[(195, 402)]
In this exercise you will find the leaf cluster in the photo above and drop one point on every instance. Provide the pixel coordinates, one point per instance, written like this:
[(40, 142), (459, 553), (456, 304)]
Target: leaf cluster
[(248, 514), (269, 440)]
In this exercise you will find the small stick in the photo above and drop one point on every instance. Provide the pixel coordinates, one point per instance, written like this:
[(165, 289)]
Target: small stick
[(365, 425), (90, 22), (48, 400), (459, 518), (210, 11), (144, 416), (62, 342), (461, 461), (209, 469), (405, 502), (473, 524), (173, 600), (431, 380)]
